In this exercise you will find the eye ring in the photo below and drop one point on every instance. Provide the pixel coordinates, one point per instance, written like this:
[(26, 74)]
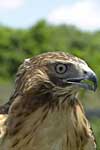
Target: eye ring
[(61, 68)]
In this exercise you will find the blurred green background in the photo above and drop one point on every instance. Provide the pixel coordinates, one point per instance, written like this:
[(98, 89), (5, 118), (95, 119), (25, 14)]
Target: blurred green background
[(18, 44)]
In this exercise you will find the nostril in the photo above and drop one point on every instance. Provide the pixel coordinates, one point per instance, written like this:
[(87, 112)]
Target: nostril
[(85, 72)]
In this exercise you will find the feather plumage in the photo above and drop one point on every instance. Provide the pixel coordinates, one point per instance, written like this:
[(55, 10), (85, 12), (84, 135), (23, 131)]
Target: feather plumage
[(44, 112)]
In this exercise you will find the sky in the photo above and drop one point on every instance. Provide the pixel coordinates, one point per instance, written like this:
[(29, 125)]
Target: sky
[(85, 14)]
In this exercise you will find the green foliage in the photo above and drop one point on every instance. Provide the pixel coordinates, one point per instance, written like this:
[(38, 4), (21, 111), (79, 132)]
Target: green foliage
[(96, 128), (16, 45)]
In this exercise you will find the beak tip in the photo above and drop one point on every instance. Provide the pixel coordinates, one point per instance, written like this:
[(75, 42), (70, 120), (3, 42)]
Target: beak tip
[(95, 81), (95, 87)]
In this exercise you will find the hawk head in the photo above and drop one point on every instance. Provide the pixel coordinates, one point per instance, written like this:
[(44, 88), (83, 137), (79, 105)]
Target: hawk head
[(55, 72)]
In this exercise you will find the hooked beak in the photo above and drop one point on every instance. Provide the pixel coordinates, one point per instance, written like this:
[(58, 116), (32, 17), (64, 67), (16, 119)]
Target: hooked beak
[(82, 81)]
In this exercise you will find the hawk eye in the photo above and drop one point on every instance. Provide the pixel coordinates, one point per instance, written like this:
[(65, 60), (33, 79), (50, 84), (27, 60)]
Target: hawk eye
[(61, 68)]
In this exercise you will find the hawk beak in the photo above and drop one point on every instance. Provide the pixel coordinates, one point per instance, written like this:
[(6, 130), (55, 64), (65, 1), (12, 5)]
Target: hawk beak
[(84, 81), (93, 78)]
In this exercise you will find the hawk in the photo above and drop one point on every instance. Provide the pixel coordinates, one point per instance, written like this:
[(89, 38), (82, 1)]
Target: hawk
[(44, 112)]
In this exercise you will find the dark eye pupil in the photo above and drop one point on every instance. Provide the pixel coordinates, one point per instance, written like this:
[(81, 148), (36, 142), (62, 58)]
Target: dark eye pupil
[(61, 68)]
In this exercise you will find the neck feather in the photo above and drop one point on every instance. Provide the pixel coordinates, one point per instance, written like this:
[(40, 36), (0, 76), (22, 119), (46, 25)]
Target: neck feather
[(46, 122)]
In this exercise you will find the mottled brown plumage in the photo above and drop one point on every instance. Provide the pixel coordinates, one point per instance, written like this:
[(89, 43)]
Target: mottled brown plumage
[(44, 112)]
